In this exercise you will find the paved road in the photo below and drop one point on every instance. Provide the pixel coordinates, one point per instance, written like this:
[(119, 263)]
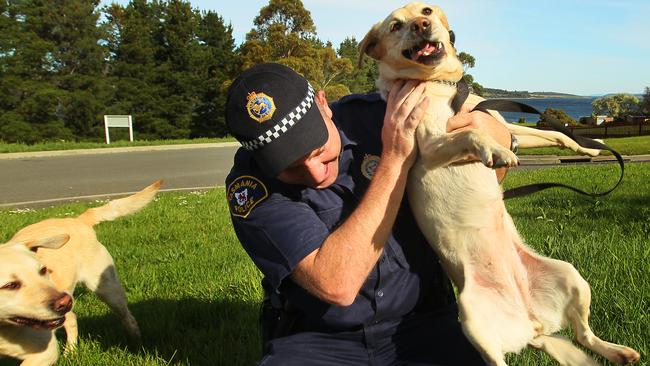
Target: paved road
[(36, 180), (43, 179)]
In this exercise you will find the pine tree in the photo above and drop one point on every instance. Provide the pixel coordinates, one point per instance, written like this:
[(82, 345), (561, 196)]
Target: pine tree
[(51, 59), (365, 73), (219, 65)]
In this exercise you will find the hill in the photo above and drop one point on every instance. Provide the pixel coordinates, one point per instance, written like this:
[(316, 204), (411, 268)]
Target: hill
[(501, 93)]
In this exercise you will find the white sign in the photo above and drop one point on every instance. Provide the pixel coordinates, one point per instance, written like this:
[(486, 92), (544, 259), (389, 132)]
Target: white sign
[(118, 121)]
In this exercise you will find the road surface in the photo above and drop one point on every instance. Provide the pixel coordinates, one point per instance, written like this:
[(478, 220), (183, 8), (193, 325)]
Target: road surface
[(37, 181)]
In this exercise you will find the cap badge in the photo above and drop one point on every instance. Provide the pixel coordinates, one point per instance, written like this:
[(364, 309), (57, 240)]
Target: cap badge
[(260, 106), (369, 165)]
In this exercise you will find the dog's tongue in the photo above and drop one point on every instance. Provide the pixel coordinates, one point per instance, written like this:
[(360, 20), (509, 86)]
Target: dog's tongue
[(426, 50)]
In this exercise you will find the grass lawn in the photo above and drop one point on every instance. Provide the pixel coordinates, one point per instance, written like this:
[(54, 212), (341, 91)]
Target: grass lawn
[(68, 145), (196, 294), (638, 145)]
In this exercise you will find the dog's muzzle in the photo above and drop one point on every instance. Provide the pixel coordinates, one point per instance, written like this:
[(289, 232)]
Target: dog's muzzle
[(425, 52)]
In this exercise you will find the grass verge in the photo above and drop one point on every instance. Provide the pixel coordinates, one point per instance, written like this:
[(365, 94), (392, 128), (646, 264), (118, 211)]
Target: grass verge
[(196, 294), (67, 145), (637, 145)]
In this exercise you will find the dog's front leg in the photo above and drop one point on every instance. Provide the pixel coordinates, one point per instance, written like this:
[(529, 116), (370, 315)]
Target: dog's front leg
[(442, 150), (532, 137), (45, 358), (71, 332)]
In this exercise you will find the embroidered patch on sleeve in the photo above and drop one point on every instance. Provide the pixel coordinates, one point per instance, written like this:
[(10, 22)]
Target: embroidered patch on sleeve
[(244, 193)]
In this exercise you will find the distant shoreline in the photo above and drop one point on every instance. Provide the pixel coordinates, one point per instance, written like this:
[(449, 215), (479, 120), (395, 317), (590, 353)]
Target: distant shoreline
[(543, 97)]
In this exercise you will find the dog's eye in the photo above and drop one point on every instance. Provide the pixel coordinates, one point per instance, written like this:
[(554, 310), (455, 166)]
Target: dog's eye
[(43, 271), (427, 11), (395, 26), (11, 286)]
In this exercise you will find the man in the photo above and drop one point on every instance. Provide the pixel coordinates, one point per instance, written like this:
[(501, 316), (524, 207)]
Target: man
[(316, 199)]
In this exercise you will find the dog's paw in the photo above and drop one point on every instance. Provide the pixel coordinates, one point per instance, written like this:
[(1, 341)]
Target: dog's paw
[(590, 152), (498, 157)]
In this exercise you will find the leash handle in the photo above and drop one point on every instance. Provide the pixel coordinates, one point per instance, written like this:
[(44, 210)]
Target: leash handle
[(512, 106)]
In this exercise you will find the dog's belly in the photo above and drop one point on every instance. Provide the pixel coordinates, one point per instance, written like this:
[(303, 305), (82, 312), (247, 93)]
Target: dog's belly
[(460, 210)]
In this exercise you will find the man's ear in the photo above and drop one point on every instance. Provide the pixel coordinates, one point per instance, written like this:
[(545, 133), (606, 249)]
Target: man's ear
[(321, 101), (370, 45)]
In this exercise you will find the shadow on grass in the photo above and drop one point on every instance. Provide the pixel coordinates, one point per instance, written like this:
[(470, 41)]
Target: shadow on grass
[(188, 331)]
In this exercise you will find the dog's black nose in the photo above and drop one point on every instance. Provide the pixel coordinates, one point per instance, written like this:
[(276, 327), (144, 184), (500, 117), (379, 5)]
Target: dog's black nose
[(63, 304), (419, 25)]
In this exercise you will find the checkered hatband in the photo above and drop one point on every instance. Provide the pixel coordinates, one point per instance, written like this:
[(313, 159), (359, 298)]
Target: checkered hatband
[(283, 126)]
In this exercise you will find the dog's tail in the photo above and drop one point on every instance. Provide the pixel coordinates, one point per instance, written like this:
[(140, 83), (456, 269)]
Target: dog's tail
[(563, 350), (120, 207)]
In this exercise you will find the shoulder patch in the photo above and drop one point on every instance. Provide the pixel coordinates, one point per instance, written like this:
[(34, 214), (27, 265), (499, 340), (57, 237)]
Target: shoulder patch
[(244, 193)]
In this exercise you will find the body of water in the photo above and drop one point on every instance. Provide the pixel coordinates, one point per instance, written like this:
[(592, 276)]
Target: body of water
[(574, 107)]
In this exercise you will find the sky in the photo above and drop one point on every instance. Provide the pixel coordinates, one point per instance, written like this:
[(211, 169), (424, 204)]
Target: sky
[(583, 47)]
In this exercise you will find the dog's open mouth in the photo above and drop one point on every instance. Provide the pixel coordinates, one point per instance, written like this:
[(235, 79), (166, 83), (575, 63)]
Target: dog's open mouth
[(426, 52), (38, 324)]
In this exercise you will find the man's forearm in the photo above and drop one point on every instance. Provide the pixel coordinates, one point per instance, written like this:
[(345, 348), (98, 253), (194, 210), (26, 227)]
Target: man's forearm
[(336, 271)]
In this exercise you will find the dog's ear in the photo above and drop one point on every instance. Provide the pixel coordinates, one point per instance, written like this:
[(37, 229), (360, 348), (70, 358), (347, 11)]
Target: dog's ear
[(370, 45), (50, 242)]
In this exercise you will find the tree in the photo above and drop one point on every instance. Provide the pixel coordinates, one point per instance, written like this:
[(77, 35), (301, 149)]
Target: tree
[(618, 106), (220, 62), (556, 114), (283, 30), (645, 102), (285, 33), (51, 60), (469, 62), (134, 70), (363, 76)]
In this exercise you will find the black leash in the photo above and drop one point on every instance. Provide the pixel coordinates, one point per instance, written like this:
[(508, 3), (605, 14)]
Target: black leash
[(512, 106)]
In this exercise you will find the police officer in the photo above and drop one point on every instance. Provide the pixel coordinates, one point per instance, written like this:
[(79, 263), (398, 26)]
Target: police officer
[(316, 199)]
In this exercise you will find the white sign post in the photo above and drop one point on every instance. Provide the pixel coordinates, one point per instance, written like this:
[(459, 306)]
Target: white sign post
[(118, 121)]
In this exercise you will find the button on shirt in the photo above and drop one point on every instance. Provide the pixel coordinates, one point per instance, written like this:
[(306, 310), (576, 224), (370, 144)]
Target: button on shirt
[(280, 224)]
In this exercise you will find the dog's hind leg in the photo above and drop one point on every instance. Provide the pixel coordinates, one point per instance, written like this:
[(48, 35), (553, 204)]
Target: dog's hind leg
[(563, 296), (563, 351), (110, 291), (578, 315), (479, 330)]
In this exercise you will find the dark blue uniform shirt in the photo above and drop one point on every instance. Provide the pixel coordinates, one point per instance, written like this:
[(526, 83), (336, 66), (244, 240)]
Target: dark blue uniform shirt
[(280, 224)]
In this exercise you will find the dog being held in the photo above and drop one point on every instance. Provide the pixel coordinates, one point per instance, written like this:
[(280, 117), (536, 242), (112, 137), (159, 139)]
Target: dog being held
[(509, 296), (40, 267)]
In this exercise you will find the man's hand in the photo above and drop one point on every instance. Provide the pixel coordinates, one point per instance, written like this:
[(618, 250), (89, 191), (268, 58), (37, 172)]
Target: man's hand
[(405, 109), (483, 121)]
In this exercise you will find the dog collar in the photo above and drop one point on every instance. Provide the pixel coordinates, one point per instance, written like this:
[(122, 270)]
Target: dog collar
[(446, 82)]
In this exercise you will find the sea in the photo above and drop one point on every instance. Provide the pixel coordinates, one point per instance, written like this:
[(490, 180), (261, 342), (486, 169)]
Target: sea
[(574, 107)]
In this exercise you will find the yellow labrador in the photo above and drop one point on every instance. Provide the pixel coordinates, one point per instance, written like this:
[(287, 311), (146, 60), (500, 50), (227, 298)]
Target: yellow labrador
[(509, 296), (35, 286)]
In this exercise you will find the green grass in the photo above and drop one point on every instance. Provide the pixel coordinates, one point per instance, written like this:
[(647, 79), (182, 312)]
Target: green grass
[(196, 294), (639, 145), (69, 145)]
